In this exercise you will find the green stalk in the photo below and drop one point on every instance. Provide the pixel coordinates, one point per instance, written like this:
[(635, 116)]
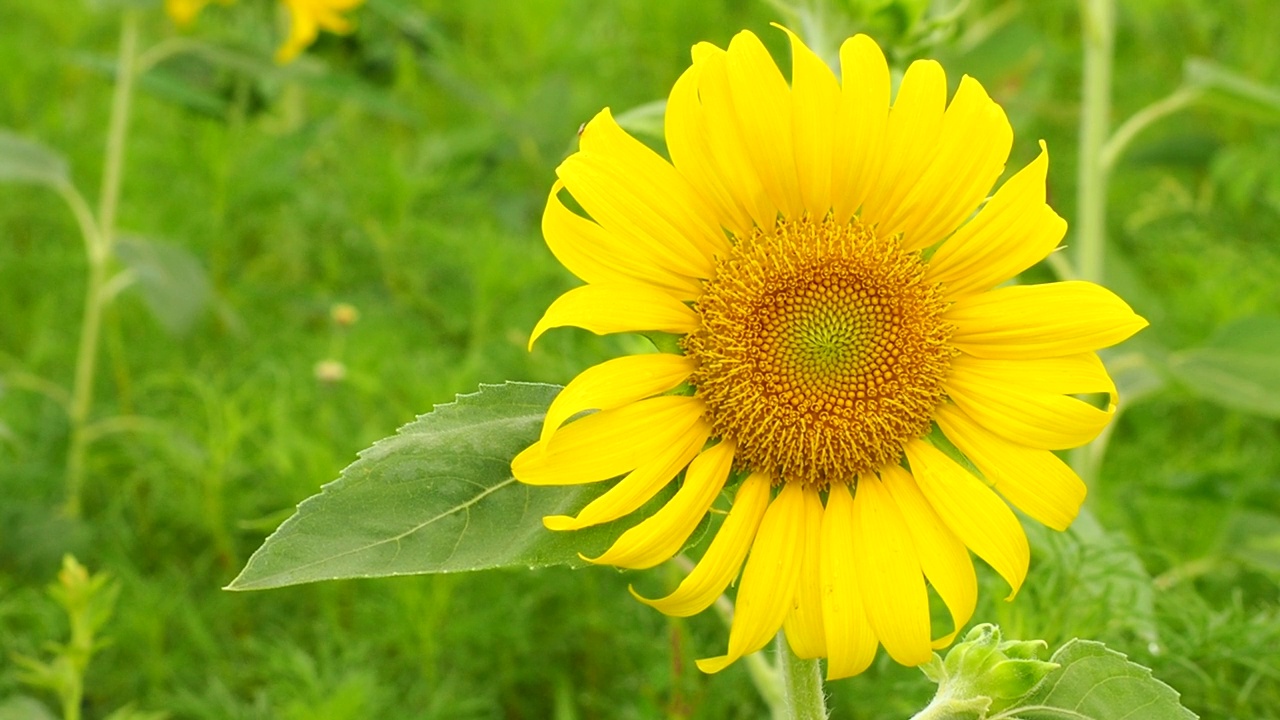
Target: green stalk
[(801, 684), (1098, 19), (98, 249)]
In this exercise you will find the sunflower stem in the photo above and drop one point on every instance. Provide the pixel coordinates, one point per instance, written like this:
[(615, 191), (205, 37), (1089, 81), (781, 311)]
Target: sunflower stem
[(801, 684), (1098, 19)]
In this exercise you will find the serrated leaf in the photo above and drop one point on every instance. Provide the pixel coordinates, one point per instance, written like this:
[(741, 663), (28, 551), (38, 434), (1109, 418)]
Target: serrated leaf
[(172, 281), (1094, 682), (436, 497), (1237, 367), (23, 160)]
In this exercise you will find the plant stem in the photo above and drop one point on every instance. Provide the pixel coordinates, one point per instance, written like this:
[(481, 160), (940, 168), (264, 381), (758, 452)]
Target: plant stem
[(1098, 19), (1142, 119), (801, 684), (98, 249)]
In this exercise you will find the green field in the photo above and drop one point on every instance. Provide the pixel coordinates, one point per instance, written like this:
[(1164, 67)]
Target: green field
[(403, 170)]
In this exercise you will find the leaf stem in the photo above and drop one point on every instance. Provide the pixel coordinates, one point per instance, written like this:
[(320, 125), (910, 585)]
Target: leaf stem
[(801, 684), (1139, 121), (98, 249)]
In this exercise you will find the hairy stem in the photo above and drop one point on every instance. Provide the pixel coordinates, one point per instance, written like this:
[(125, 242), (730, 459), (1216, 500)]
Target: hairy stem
[(801, 684)]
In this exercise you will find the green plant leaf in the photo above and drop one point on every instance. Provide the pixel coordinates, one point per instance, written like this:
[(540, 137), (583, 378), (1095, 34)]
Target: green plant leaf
[(1237, 368), (22, 707), (646, 119), (436, 497), (27, 161), (171, 280), (1093, 682)]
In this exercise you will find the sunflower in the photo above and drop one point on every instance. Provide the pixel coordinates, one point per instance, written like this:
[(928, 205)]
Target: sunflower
[(307, 18), (848, 367)]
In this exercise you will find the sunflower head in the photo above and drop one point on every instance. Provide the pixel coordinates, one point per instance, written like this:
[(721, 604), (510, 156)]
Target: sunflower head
[(830, 257), (821, 349)]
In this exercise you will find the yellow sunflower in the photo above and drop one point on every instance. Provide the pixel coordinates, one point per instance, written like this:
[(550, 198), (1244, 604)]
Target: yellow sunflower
[(830, 261), (307, 18)]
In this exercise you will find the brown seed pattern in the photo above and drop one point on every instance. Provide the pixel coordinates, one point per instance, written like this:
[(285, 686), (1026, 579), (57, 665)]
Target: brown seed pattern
[(822, 350)]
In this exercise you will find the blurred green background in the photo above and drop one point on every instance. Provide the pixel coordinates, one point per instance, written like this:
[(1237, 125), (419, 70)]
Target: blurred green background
[(403, 170)]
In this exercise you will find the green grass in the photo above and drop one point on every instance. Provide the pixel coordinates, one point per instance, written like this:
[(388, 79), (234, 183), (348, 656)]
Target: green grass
[(404, 172)]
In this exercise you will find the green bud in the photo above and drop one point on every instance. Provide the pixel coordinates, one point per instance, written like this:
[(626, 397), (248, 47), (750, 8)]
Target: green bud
[(983, 674)]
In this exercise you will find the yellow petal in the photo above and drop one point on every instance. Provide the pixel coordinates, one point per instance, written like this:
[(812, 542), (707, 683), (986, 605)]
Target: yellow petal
[(691, 152), (608, 443), (851, 643), (720, 565), (944, 559), (815, 106), (598, 256), (660, 536), (769, 580), (624, 204), (657, 184), (638, 486), (606, 308), (763, 103), (1015, 230), (973, 512), (972, 150), (1026, 401), (617, 382), (1035, 481), (803, 625), (889, 573), (860, 126), (732, 159), (1041, 321), (911, 139)]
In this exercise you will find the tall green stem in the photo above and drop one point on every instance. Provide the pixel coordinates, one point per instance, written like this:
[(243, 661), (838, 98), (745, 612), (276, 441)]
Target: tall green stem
[(801, 684), (99, 255), (1098, 18)]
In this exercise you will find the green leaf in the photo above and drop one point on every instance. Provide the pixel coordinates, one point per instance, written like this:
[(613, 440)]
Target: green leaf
[(436, 497), (1237, 368), (22, 707), (172, 281), (1093, 682), (646, 119), (27, 161)]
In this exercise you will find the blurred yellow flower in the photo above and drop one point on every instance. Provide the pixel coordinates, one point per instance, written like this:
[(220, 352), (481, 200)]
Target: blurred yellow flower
[(307, 18), (833, 263), (184, 12)]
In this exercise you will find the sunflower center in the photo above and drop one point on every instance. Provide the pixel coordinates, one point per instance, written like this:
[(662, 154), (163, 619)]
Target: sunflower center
[(821, 350)]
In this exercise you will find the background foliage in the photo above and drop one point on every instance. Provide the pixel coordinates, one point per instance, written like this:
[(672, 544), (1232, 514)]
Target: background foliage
[(403, 170)]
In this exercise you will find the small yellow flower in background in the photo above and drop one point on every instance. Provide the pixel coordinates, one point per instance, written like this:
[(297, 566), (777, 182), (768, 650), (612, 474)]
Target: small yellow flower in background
[(184, 12), (344, 314), (307, 18), (817, 249)]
